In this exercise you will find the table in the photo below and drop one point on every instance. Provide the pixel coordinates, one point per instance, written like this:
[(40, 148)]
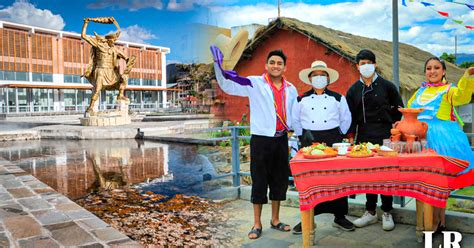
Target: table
[(427, 177)]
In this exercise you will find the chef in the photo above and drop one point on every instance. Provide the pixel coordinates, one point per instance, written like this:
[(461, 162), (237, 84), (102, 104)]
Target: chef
[(321, 115)]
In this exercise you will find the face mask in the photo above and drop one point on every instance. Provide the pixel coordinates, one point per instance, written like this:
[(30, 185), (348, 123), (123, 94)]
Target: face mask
[(367, 70), (319, 82)]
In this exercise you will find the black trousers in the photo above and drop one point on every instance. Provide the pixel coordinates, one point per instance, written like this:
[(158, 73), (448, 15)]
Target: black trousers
[(269, 168), (339, 207), (375, 133)]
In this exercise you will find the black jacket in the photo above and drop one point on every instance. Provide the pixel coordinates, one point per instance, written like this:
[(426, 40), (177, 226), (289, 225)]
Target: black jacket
[(374, 105)]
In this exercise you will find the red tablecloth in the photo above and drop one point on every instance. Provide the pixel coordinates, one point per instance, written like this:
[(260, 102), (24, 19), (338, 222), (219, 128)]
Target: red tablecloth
[(428, 177)]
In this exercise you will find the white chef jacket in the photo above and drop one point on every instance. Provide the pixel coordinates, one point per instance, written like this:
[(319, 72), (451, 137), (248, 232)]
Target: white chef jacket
[(321, 112)]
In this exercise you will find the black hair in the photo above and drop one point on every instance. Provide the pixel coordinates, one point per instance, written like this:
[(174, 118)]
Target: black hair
[(437, 59), (309, 75), (278, 53), (443, 64), (365, 54)]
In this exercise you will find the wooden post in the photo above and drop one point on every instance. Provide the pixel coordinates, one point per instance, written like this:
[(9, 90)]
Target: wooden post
[(419, 221), (428, 216), (307, 226)]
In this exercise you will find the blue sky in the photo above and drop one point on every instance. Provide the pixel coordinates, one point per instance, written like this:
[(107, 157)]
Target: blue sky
[(148, 22), (166, 22), (420, 26)]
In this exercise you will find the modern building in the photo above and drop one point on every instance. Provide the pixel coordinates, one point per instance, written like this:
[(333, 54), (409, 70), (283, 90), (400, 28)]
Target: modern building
[(40, 71)]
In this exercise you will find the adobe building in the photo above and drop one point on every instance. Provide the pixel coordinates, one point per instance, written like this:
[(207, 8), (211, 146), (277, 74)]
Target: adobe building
[(304, 42), (40, 71)]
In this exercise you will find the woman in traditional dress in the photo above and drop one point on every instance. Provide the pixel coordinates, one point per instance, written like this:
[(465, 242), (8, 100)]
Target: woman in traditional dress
[(439, 99)]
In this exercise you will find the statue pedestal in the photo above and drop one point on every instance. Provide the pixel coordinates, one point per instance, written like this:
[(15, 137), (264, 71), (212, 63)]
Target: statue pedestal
[(114, 118)]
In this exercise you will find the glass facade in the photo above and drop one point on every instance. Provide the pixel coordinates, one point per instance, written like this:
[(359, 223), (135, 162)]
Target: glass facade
[(70, 100), (12, 100), (72, 78), (32, 63), (149, 82), (133, 81), (14, 76), (42, 77), (42, 100), (21, 100)]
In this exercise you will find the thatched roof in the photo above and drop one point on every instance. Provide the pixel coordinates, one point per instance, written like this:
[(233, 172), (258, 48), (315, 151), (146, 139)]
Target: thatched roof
[(411, 59)]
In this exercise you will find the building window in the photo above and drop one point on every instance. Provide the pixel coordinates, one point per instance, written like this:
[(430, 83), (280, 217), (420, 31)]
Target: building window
[(21, 76), (70, 100), (134, 81), (72, 78), (14, 75), (149, 82), (42, 77), (9, 75)]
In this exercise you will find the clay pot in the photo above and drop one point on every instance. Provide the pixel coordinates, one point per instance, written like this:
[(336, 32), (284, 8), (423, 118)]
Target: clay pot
[(395, 137), (410, 125), (394, 131), (410, 138)]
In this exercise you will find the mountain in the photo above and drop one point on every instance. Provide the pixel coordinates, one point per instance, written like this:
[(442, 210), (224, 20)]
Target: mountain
[(464, 57)]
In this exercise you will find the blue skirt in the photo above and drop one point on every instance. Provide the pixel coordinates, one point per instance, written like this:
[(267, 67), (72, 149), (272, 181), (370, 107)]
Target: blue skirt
[(447, 138)]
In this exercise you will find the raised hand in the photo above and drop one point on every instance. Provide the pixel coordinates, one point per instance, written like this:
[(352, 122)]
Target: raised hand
[(470, 71), (217, 54)]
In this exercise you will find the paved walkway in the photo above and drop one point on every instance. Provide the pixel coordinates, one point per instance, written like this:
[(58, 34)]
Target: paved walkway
[(68, 127), (241, 220), (32, 214)]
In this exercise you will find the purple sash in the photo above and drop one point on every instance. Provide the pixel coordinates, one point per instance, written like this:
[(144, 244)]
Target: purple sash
[(231, 75)]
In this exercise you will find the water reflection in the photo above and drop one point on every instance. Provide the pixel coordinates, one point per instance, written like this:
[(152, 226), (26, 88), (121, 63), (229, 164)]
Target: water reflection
[(75, 168)]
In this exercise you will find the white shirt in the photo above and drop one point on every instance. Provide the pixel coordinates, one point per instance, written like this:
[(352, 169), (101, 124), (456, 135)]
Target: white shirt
[(262, 108), (321, 112)]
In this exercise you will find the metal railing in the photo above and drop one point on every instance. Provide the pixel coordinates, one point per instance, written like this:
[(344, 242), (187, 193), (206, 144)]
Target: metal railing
[(235, 160)]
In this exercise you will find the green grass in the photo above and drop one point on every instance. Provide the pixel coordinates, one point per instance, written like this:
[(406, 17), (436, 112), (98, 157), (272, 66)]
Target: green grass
[(469, 191)]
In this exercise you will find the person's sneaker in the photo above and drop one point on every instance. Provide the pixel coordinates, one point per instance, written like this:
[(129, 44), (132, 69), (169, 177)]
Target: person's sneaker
[(298, 230), (343, 224), (366, 219), (387, 222)]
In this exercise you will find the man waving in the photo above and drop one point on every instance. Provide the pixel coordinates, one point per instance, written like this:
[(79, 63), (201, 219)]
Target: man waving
[(271, 99)]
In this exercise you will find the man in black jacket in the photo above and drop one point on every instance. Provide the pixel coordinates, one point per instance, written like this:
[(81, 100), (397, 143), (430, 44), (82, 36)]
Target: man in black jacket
[(373, 102)]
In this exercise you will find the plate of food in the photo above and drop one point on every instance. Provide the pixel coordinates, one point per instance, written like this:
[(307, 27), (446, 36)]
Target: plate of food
[(317, 151), (372, 147), (386, 151), (360, 151)]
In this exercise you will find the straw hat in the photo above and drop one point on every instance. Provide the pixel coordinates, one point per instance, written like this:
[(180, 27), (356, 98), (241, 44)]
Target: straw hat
[(318, 65), (232, 48)]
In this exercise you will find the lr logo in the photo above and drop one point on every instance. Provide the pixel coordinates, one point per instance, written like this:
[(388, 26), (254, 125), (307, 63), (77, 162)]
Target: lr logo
[(447, 242)]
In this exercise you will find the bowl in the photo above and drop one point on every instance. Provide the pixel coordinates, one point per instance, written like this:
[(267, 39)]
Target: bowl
[(341, 148), (337, 145)]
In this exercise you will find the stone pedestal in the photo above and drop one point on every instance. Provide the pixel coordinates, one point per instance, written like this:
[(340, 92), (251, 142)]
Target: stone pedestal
[(115, 118)]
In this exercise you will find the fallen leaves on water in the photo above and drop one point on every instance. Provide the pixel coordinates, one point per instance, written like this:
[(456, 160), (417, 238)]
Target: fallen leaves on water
[(155, 220)]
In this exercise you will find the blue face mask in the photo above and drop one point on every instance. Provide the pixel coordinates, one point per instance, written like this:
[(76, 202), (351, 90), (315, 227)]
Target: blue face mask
[(367, 70), (319, 82)]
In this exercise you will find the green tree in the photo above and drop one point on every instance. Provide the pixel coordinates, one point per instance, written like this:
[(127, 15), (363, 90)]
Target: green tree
[(466, 64), (448, 57)]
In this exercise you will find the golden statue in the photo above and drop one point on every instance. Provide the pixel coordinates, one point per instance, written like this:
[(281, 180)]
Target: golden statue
[(103, 71)]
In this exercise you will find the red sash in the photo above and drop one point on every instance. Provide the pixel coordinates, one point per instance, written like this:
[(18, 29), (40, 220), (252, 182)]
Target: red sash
[(280, 118)]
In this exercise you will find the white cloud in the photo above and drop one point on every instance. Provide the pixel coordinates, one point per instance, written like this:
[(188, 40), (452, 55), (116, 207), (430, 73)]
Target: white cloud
[(131, 5), (186, 5), (370, 18), (183, 5), (136, 34), (26, 13)]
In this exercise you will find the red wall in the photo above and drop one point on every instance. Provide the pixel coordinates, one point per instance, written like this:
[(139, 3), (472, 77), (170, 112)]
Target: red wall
[(301, 52)]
